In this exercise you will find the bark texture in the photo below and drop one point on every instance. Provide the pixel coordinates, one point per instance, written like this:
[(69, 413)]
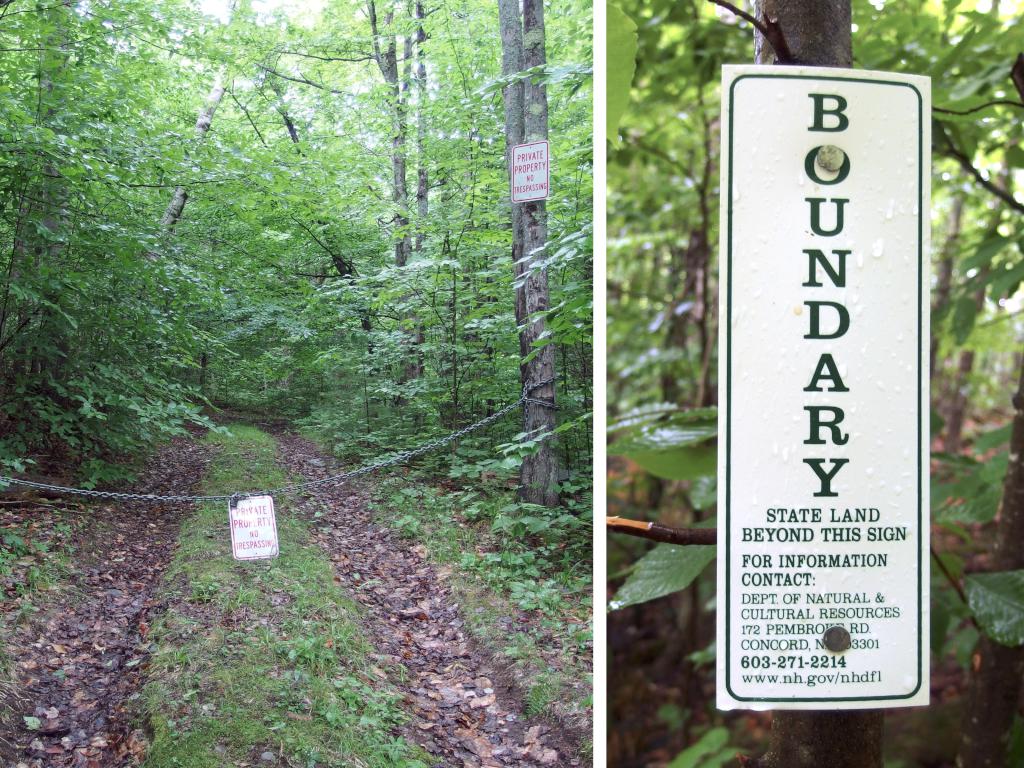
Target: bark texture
[(538, 477), (994, 690), (817, 31), (422, 175), (834, 738), (174, 209), (385, 53), (945, 277), (818, 34)]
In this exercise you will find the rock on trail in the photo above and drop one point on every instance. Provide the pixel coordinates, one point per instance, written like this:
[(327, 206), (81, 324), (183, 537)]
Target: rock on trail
[(461, 711)]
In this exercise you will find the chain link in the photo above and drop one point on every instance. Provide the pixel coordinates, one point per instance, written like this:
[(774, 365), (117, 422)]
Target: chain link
[(398, 458)]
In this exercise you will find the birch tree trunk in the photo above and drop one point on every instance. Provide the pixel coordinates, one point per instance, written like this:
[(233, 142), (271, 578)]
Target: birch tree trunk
[(172, 215), (818, 34), (175, 208)]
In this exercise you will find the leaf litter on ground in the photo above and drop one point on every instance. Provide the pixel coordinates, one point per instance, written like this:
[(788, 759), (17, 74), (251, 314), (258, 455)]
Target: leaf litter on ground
[(76, 657), (463, 712)]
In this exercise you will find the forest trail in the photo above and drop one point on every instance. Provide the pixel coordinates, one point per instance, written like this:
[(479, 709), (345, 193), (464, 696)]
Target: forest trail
[(79, 660), (462, 710), (80, 663)]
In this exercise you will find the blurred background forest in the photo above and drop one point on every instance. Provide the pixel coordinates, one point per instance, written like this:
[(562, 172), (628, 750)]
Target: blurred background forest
[(662, 358)]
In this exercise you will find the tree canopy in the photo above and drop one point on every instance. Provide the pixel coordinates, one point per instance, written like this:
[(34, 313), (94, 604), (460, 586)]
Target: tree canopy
[(208, 209)]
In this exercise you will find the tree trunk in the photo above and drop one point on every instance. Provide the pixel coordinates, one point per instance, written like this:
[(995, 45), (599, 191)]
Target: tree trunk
[(538, 478), (817, 31), (514, 96), (945, 281), (818, 34), (958, 399), (386, 56), (173, 213), (422, 179)]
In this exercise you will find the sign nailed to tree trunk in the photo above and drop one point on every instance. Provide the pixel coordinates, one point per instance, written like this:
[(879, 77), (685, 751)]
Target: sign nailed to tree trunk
[(823, 383), (531, 172)]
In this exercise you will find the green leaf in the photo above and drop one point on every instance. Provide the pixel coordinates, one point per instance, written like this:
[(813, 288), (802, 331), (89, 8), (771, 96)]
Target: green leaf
[(965, 310), (665, 569), (621, 65), (986, 251), (972, 496), (669, 443), (997, 600), (709, 752), (32, 723), (678, 463), (993, 438), (1005, 281)]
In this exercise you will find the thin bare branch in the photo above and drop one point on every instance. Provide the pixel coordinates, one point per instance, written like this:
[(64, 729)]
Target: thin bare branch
[(662, 533), (986, 105), (965, 162), (771, 31)]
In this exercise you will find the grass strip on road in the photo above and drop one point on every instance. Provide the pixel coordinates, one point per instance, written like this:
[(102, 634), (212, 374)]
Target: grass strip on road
[(264, 662)]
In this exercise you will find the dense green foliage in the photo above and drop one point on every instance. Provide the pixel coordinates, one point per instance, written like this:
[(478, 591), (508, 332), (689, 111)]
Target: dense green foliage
[(277, 289), (662, 305)]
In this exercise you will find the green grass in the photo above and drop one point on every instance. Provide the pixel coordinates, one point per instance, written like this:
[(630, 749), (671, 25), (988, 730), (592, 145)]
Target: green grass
[(46, 555), (264, 656)]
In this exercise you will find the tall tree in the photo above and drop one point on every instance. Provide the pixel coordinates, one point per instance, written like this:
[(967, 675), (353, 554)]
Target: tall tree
[(385, 53), (422, 170), (523, 46), (817, 32), (203, 122)]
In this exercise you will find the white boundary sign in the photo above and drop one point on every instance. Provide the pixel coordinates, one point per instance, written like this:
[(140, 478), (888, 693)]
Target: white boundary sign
[(531, 172), (823, 492), (253, 528)]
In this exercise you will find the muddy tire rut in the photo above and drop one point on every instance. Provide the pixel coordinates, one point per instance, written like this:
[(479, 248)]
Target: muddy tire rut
[(463, 710), (79, 661)]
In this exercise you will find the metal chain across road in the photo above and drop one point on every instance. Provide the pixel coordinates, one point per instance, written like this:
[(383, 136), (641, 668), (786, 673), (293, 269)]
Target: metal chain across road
[(398, 458)]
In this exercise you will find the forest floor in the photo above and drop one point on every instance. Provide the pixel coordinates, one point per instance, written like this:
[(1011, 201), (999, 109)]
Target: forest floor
[(131, 637)]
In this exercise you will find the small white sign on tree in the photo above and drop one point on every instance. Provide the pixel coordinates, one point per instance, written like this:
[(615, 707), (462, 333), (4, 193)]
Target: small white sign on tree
[(253, 528), (823, 389), (531, 172)]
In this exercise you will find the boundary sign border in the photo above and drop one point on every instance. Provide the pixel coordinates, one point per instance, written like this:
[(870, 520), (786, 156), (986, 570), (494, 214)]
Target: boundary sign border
[(728, 386)]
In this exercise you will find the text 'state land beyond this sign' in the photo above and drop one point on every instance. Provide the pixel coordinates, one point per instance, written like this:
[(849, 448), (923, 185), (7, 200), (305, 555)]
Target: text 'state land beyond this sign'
[(531, 172), (823, 384), (253, 528)]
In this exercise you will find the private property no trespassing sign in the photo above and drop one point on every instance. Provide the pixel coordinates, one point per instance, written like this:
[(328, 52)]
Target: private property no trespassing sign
[(823, 389), (253, 528), (531, 172)]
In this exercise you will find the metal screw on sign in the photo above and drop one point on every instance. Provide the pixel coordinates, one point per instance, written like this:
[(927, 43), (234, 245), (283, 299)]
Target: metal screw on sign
[(830, 158), (837, 639)]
